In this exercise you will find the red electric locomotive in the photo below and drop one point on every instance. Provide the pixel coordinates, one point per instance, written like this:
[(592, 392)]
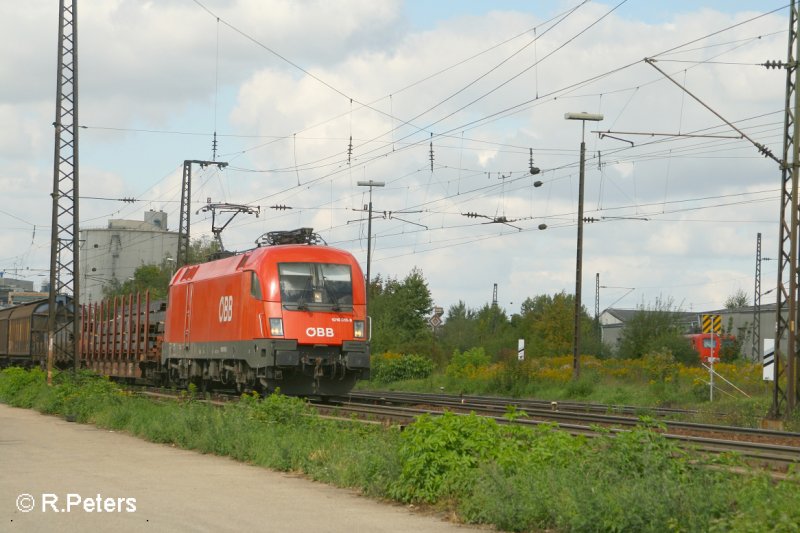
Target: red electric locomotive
[(711, 344), (288, 316)]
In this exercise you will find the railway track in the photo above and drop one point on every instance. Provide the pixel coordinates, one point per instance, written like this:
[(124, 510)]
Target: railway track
[(767, 448), (774, 448), (521, 403)]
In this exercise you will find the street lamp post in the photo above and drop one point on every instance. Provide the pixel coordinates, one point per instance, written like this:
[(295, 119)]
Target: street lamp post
[(369, 184), (172, 262), (576, 358)]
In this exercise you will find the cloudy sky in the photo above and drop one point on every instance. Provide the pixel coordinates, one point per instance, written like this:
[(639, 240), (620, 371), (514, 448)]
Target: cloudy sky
[(445, 102)]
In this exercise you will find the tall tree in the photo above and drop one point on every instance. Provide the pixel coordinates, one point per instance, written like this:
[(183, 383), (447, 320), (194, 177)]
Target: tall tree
[(153, 278), (657, 327), (459, 330), (494, 332), (399, 313), (738, 299), (548, 322), (203, 250)]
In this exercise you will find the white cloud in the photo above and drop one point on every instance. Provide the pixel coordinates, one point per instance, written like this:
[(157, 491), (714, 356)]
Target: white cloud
[(154, 66)]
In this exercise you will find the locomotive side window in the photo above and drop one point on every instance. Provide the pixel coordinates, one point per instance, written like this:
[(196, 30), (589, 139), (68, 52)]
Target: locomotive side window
[(306, 284), (337, 282), (255, 286)]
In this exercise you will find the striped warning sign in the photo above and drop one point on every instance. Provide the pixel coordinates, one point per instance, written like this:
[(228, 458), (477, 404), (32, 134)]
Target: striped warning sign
[(768, 360), (712, 323)]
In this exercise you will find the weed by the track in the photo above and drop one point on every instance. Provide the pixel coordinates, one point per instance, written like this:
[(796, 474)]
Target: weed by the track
[(515, 478)]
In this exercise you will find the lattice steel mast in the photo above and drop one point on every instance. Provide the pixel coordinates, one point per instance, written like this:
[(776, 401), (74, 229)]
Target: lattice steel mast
[(186, 207), (597, 304), (784, 399), (64, 245), (757, 304)]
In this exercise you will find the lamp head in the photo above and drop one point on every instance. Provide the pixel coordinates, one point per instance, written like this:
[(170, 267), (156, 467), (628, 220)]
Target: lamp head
[(584, 116)]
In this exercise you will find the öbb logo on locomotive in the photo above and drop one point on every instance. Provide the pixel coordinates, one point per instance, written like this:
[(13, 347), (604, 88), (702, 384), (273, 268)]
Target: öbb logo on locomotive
[(226, 309), (299, 325), (319, 332)]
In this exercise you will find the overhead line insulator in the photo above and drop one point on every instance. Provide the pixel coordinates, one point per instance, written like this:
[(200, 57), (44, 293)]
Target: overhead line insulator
[(431, 156), (534, 170), (775, 64)]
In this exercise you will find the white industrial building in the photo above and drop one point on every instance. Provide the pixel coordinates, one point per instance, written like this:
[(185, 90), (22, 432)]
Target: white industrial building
[(114, 253)]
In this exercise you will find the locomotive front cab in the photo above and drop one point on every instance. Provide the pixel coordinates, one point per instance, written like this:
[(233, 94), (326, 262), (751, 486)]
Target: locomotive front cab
[(322, 319), (320, 288)]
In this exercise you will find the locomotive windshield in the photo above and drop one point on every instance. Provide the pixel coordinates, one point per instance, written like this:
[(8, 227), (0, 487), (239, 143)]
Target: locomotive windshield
[(316, 284)]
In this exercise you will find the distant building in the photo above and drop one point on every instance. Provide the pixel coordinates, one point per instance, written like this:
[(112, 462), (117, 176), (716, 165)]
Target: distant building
[(23, 297), (738, 322), (9, 286), (114, 253)]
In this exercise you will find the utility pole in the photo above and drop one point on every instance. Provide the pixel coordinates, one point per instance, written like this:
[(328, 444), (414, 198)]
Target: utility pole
[(785, 390), (64, 241), (186, 208), (576, 344), (369, 184)]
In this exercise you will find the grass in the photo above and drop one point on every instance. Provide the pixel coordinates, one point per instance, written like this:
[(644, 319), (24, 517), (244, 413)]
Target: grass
[(514, 478)]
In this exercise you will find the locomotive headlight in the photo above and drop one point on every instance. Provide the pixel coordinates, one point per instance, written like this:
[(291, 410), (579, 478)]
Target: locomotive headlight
[(358, 329), (276, 327)]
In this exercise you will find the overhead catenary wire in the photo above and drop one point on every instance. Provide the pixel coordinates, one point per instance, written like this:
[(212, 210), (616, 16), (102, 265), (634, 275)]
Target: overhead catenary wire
[(439, 169), (698, 39)]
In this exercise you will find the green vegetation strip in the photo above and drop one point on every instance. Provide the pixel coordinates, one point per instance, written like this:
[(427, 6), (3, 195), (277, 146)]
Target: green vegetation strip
[(515, 478)]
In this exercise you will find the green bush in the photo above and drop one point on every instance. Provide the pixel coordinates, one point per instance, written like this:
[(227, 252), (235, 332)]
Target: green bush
[(584, 386), (660, 366), (389, 368), (512, 379), (464, 364), (276, 408), (441, 456), (20, 387), (80, 394), (77, 394), (635, 481), (438, 450), (762, 505)]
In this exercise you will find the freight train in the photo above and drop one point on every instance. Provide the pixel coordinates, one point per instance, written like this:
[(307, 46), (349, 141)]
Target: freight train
[(289, 315), (24, 332)]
